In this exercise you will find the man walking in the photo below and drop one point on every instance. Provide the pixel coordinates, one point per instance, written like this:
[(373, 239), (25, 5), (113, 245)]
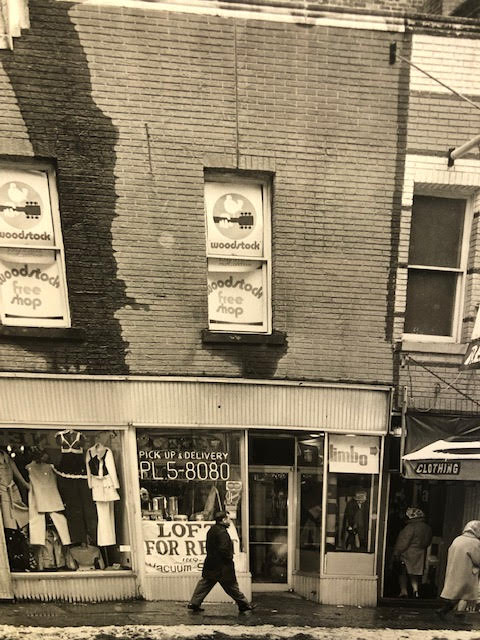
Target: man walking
[(219, 567)]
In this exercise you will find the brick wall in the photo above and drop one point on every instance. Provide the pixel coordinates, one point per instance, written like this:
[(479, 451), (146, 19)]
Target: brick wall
[(438, 121), (132, 105), (397, 6)]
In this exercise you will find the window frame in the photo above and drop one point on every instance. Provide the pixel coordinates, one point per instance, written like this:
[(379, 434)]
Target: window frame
[(266, 194), (461, 271), (58, 248)]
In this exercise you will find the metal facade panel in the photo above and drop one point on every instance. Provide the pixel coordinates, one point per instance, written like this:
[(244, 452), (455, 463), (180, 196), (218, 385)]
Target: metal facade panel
[(357, 591), (58, 401), (73, 588), (180, 588), (192, 402)]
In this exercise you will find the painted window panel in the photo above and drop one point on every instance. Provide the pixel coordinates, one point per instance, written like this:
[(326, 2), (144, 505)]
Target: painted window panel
[(236, 296), (430, 302), (33, 288), (436, 231), (437, 265), (237, 218), (234, 214)]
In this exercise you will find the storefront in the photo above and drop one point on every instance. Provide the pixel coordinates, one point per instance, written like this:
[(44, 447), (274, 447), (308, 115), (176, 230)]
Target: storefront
[(298, 467), (439, 475)]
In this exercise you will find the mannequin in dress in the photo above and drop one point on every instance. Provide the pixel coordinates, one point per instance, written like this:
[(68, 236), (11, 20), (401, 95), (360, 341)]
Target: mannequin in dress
[(73, 487), (44, 498), (103, 481), (14, 511)]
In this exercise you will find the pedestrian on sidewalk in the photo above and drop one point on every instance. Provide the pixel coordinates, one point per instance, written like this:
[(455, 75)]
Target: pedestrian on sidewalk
[(463, 564), (409, 550), (219, 567)]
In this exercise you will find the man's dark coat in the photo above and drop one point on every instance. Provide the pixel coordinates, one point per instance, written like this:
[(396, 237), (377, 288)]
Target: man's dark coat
[(218, 564)]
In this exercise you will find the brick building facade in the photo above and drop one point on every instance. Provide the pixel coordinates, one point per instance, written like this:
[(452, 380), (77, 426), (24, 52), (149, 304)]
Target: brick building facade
[(126, 116)]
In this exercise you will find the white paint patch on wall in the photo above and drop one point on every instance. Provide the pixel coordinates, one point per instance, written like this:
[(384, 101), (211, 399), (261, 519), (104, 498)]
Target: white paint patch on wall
[(454, 61), (15, 139)]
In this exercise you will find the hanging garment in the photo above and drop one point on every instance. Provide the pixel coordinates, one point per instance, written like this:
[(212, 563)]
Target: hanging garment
[(38, 525), (103, 480), (102, 475), (106, 524), (79, 509), (44, 498), (20, 557), (73, 487), (43, 484), (14, 511), (72, 460), (51, 556)]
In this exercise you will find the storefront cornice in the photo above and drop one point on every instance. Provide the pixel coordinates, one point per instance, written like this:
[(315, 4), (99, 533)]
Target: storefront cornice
[(192, 403), (195, 379)]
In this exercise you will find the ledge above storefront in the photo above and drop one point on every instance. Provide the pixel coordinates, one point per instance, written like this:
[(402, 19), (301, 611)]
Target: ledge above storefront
[(172, 401)]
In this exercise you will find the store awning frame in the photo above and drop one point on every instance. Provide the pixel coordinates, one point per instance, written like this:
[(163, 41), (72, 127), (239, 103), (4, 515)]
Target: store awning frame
[(455, 458)]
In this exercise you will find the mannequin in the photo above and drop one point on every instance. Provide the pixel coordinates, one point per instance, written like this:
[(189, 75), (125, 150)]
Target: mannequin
[(44, 498), (73, 487), (355, 522), (14, 511), (103, 481)]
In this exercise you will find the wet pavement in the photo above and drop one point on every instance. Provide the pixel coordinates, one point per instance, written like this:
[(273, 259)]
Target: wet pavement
[(279, 610)]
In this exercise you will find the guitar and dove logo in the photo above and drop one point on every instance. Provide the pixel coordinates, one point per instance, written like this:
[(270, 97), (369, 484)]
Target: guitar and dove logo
[(20, 205), (234, 216)]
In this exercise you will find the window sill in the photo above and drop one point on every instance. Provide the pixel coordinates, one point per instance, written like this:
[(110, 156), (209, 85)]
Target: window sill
[(276, 338), (50, 333), (451, 348)]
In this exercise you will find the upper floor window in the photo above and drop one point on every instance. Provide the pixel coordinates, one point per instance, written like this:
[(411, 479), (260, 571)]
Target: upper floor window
[(238, 254), (33, 290), (437, 265)]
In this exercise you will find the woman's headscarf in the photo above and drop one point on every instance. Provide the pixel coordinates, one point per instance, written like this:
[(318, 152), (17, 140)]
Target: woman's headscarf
[(473, 527), (412, 513)]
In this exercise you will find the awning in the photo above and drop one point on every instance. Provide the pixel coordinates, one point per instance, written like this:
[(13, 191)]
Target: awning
[(456, 458)]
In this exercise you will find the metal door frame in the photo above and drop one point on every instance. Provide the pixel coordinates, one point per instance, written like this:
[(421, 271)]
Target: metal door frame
[(289, 470)]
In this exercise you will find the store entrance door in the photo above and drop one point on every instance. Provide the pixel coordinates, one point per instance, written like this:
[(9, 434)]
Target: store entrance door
[(270, 528)]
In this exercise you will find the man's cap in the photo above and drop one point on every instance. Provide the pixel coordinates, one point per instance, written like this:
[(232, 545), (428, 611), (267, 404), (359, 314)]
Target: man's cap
[(220, 515)]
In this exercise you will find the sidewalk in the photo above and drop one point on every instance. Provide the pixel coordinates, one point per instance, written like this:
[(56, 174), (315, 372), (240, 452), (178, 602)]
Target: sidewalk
[(279, 610)]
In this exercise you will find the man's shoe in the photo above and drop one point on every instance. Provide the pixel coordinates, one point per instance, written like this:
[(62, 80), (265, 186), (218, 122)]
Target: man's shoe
[(441, 614), (249, 607), (194, 607)]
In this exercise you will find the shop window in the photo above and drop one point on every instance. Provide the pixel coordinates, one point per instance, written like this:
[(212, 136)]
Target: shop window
[(310, 510), (185, 477), (33, 290), (351, 520), (238, 255), (436, 266), (62, 500)]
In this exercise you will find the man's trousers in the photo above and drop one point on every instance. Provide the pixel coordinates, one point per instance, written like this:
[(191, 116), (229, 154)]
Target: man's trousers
[(231, 588)]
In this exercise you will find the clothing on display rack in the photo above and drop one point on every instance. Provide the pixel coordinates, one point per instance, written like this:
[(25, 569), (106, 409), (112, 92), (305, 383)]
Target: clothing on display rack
[(73, 487), (44, 498), (14, 511), (103, 481)]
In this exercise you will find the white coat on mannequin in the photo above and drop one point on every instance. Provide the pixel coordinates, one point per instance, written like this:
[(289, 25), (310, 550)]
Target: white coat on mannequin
[(103, 481)]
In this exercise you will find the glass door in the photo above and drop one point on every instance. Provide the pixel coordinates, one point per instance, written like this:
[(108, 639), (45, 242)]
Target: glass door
[(270, 518)]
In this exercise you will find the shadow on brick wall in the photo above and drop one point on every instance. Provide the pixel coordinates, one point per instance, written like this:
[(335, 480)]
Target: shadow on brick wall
[(50, 75)]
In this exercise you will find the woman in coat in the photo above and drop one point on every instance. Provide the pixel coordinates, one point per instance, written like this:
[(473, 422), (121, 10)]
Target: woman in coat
[(463, 564), (410, 548)]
